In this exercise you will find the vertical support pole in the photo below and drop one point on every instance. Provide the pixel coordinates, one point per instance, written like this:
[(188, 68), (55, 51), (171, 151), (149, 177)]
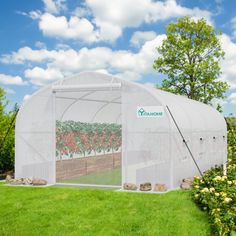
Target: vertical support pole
[(54, 134), (123, 140)]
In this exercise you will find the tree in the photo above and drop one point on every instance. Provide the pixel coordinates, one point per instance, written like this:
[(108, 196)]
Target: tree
[(7, 150), (190, 57)]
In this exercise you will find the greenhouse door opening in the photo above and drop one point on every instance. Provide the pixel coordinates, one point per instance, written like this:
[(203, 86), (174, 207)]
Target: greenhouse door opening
[(88, 134)]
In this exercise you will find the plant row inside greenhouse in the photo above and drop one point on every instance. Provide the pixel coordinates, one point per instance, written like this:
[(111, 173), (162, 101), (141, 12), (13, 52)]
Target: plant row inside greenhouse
[(80, 139)]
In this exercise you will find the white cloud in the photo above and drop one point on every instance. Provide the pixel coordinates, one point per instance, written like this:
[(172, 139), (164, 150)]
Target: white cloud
[(108, 31), (62, 46), (32, 14), (54, 6), (40, 45), (140, 37), (11, 80), (163, 10), (64, 62), (232, 98), (39, 76), (26, 97), (82, 60), (27, 54), (148, 53), (125, 64), (219, 7), (124, 60), (81, 11), (74, 28), (116, 15), (228, 64), (216, 101), (109, 18)]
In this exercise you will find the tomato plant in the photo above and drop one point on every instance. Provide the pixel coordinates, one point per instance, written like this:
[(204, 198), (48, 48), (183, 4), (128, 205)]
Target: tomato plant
[(80, 138)]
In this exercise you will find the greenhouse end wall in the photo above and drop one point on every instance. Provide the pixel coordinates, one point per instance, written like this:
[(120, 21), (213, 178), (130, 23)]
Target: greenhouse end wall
[(88, 135)]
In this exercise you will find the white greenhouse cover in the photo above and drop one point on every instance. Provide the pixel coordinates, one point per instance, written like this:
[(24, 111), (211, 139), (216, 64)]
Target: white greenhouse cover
[(152, 148)]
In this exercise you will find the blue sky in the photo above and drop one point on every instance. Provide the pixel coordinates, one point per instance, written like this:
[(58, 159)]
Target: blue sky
[(46, 40)]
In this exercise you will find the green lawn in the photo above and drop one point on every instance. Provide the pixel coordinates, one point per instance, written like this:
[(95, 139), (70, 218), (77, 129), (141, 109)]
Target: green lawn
[(110, 177), (74, 211)]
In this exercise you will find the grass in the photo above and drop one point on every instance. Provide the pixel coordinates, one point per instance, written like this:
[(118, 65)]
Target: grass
[(110, 177), (74, 211)]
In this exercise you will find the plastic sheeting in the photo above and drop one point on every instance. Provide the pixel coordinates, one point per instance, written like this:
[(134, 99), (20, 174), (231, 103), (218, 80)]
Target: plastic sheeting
[(152, 149)]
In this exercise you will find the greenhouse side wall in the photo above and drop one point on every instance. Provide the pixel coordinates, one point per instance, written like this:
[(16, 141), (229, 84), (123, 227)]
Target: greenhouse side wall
[(204, 131)]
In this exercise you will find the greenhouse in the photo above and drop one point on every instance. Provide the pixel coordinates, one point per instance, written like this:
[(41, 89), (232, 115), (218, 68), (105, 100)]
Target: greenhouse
[(99, 130)]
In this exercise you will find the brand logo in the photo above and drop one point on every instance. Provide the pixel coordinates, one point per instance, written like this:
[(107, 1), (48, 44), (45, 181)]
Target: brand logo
[(150, 111)]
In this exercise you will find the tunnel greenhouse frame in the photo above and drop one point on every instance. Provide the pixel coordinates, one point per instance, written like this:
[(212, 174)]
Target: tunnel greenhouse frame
[(149, 144)]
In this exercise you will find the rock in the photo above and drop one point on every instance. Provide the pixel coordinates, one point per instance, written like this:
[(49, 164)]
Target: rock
[(11, 173), (185, 185), (8, 178), (160, 188), (27, 181), (39, 181), (188, 180), (145, 187), (18, 181), (129, 186)]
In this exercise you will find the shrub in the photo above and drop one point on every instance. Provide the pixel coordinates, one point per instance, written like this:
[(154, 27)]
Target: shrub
[(216, 193), (6, 144), (7, 153), (232, 143), (231, 122)]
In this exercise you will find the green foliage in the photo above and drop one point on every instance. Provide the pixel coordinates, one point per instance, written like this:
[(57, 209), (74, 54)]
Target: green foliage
[(7, 153), (216, 193), (231, 138), (232, 144), (7, 150), (231, 123), (190, 57)]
